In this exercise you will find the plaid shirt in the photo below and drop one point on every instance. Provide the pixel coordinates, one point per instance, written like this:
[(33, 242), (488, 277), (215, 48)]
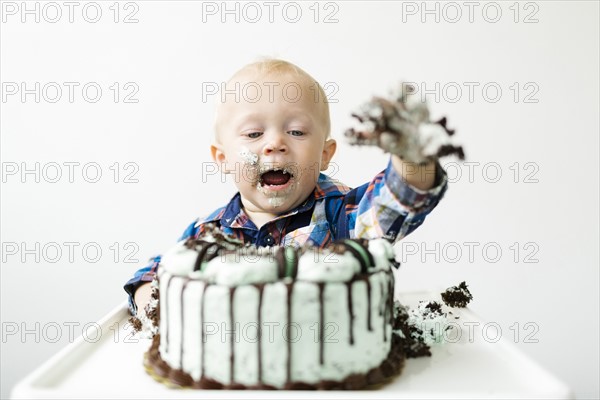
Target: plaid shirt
[(384, 207)]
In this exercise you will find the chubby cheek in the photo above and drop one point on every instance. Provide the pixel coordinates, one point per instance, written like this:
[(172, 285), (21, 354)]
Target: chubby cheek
[(313, 168), (309, 176), (247, 177)]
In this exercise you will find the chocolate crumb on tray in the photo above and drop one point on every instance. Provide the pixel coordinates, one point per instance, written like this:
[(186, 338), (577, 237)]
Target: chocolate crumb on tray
[(411, 337), (457, 296)]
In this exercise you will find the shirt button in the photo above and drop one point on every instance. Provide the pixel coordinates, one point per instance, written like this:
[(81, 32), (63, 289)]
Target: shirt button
[(268, 240)]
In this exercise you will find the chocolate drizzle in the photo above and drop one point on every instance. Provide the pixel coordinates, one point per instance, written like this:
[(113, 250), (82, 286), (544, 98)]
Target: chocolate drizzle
[(382, 299), (290, 287), (287, 262), (204, 250), (231, 318), (321, 323), (350, 311), (280, 259), (368, 282), (204, 256)]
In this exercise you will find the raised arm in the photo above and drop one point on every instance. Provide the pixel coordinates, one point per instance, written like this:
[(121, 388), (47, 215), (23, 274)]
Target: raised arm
[(398, 199)]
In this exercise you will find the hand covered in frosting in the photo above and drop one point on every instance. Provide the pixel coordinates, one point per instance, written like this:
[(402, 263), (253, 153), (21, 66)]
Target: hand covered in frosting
[(400, 125)]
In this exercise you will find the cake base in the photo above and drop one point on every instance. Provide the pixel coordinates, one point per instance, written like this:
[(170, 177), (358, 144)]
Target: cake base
[(158, 369)]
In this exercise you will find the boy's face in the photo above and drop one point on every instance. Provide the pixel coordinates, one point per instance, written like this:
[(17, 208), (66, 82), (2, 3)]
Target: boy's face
[(272, 137)]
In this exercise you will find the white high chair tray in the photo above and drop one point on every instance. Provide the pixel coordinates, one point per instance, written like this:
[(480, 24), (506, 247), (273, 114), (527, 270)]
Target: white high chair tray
[(473, 367)]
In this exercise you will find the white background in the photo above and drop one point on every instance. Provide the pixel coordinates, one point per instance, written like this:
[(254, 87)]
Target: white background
[(551, 211)]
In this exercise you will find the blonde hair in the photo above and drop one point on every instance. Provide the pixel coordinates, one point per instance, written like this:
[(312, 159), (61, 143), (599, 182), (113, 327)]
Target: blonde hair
[(276, 67), (273, 66)]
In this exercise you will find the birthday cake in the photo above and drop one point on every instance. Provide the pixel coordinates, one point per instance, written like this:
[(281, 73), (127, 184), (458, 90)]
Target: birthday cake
[(228, 316), (225, 315)]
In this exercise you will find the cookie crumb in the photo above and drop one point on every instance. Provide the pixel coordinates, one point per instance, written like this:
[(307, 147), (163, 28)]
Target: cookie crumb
[(457, 296)]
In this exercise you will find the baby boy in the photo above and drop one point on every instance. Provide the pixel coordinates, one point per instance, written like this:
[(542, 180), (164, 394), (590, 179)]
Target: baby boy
[(272, 134)]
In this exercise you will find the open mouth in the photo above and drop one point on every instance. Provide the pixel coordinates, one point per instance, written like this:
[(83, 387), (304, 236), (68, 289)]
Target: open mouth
[(275, 177)]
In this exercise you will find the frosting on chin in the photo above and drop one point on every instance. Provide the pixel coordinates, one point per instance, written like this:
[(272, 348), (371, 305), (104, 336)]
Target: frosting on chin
[(275, 201)]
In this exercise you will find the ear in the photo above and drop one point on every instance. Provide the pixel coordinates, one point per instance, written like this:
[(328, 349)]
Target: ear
[(216, 150), (218, 155), (328, 152)]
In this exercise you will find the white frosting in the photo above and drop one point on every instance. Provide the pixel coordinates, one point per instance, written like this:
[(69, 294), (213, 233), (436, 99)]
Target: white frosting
[(340, 358), (231, 276), (248, 156), (179, 260), (317, 266), (258, 265), (404, 125), (432, 137), (432, 324), (276, 201), (382, 252), (148, 329), (239, 269)]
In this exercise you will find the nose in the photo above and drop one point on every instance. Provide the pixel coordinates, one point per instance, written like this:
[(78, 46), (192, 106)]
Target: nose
[(275, 145)]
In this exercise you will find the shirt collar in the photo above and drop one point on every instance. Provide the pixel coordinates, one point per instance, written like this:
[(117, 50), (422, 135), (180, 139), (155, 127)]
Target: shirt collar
[(327, 187), (234, 216)]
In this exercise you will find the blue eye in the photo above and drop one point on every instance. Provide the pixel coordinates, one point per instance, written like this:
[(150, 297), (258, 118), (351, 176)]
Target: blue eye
[(296, 133), (254, 135)]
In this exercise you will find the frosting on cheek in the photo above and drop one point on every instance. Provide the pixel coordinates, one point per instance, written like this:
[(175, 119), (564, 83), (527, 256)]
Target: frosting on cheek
[(251, 169), (250, 158)]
